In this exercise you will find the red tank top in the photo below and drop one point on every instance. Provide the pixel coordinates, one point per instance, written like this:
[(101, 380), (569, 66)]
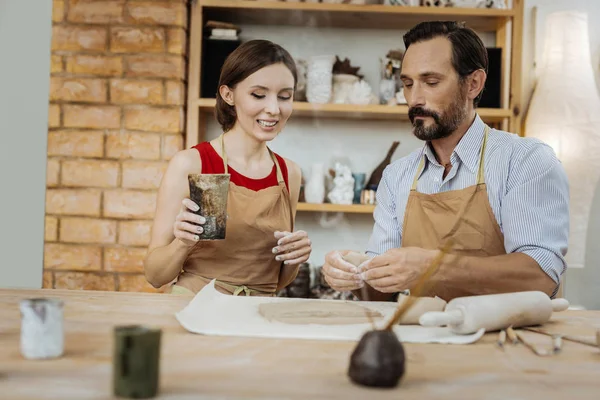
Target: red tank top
[(212, 163)]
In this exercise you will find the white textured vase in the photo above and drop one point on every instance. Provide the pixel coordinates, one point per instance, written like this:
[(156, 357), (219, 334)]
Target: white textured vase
[(565, 113), (314, 191), (319, 79), (42, 333)]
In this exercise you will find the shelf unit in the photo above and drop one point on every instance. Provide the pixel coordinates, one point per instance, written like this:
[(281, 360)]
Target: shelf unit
[(506, 23)]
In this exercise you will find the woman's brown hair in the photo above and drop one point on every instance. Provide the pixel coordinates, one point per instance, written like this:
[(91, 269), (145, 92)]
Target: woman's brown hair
[(248, 58)]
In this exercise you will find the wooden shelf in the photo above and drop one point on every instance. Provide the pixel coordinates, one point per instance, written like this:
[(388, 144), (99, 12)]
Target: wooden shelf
[(346, 15), (351, 111), (345, 208)]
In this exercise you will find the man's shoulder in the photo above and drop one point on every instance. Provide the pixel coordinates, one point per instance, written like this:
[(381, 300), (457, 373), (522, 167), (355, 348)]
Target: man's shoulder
[(518, 148)]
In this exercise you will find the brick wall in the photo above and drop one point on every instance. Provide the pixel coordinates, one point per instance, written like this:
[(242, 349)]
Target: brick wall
[(116, 117)]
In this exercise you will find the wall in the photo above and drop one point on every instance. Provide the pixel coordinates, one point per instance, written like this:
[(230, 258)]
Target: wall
[(115, 119), (25, 44), (581, 284)]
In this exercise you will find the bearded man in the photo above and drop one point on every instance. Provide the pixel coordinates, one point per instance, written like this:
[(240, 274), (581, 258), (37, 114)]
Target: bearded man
[(511, 192)]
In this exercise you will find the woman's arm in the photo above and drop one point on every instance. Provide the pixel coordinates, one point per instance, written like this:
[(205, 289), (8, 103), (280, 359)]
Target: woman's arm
[(174, 227)]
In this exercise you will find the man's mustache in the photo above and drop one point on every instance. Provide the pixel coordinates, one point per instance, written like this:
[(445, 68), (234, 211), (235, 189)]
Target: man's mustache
[(421, 112)]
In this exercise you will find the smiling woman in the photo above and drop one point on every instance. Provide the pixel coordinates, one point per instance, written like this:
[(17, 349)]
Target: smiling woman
[(261, 252)]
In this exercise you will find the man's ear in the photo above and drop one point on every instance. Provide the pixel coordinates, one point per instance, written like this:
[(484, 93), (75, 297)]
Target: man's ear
[(476, 83), (227, 94)]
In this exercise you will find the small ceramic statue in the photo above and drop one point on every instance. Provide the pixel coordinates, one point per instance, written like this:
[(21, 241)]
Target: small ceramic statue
[(343, 185)]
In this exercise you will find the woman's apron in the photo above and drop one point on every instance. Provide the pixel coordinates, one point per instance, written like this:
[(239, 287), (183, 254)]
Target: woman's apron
[(243, 262), (429, 220)]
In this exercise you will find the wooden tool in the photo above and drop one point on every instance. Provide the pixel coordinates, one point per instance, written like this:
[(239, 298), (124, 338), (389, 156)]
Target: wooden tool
[(465, 315), (570, 338)]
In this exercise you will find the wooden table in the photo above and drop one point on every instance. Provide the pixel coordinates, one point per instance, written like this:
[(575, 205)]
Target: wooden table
[(205, 367)]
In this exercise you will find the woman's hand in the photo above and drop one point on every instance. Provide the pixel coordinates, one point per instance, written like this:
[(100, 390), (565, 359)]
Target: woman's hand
[(292, 248), (187, 224)]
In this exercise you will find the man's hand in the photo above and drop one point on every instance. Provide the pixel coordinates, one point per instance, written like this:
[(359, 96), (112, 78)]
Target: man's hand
[(339, 274), (396, 269)]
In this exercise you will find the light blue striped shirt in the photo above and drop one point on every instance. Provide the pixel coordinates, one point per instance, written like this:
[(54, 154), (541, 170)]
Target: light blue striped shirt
[(526, 184)]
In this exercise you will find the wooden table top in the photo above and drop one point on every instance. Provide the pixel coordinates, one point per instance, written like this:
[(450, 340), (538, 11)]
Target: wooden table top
[(206, 367)]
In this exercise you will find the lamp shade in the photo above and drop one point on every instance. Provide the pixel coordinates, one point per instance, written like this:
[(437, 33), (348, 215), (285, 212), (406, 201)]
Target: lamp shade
[(565, 113)]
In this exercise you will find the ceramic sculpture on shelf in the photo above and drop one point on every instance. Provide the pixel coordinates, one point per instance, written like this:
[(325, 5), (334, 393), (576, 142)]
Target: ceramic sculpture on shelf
[(564, 112), (319, 79), (314, 191), (343, 186)]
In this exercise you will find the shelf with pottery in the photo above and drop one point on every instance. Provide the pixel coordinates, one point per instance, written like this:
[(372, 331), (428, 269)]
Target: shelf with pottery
[(367, 16), (344, 208), (355, 111)]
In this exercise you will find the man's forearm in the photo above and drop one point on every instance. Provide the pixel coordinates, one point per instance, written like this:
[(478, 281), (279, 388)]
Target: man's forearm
[(467, 276)]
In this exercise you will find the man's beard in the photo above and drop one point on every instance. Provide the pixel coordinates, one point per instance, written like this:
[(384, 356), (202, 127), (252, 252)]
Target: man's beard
[(444, 124)]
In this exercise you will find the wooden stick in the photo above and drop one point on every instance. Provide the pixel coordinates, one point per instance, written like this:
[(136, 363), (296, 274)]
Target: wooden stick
[(565, 337), (421, 285), (501, 339), (511, 335), (536, 350)]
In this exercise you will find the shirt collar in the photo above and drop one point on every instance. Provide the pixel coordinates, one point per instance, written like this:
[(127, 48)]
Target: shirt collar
[(467, 148)]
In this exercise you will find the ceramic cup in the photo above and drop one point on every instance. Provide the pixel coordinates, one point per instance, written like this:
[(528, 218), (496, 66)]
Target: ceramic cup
[(209, 192)]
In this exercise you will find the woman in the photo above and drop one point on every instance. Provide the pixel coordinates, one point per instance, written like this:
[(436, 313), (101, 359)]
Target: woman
[(260, 254)]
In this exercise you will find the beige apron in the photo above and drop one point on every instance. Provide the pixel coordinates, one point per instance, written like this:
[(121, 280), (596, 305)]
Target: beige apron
[(243, 262), (430, 219)]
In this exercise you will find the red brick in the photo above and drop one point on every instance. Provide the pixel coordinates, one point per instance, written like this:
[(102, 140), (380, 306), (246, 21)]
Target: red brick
[(73, 202), (175, 93), (77, 116), (133, 91), (123, 145), (135, 233), (171, 145), (50, 229), (56, 64), (95, 65), (53, 116), (48, 277), (129, 204), (155, 66), (87, 230), (90, 173), (77, 89), (58, 10), (124, 259), (136, 283), (96, 11), (160, 13), (52, 172), (84, 281), (176, 41), (76, 143), (137, 40), (78, 38), (152, 119), (72, 257), (142, 175)]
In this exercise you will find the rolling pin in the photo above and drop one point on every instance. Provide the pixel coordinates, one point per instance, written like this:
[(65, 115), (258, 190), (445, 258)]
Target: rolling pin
[(466, 315)]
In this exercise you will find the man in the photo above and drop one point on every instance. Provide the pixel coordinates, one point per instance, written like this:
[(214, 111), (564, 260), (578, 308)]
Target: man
[(514, 233)]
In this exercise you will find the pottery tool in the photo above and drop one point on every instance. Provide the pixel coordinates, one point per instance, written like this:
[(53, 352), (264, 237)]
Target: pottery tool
[(493, 312), (501, 339), (42, 334), (536, 350), (569, 337), (136, 361), (510, 332)]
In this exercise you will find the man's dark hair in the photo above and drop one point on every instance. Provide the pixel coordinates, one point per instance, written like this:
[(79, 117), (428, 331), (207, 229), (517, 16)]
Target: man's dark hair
[(468, 51)]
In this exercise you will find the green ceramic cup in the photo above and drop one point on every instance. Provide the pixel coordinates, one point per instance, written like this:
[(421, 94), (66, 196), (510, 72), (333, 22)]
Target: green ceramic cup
[(136, 361)]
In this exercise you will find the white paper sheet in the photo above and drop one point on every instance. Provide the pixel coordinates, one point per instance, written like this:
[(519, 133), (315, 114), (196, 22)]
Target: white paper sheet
[(211, 312)]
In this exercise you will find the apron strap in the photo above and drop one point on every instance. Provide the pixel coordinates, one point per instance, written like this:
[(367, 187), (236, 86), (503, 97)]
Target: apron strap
[(480, 174), (224, 154), (236, 290)]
